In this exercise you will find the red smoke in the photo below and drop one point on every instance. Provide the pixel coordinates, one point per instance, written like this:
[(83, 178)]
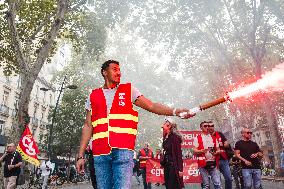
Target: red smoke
[(270, 82)]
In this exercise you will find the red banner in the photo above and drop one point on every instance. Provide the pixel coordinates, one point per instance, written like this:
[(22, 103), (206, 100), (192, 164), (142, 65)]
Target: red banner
[(188, 137), (155, 174), (28, 148)]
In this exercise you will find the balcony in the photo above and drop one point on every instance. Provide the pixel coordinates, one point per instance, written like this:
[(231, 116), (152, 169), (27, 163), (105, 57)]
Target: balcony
[(4, 110)]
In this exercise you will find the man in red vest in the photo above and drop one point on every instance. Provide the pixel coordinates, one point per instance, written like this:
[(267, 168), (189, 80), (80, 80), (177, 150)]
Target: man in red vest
[(112, 123), (144, 154), (223, 158), (206, 148)]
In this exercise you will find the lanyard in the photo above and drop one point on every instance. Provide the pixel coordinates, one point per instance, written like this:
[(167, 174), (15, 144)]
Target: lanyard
[(13, 158)]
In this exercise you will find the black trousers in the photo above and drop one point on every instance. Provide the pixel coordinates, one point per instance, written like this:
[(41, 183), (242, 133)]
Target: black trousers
[(171, 179), (92, 171), (145, 184)]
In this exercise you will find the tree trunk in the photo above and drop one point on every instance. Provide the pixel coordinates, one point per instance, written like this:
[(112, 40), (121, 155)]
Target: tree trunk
[(27, 82), (30, 72)]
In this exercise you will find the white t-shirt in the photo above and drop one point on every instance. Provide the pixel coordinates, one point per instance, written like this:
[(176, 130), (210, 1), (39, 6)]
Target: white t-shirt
[(45, 168), (109, 95), (207, 144)]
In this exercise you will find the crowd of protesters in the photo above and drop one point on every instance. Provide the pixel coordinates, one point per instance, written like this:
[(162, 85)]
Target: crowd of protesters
[(239, 166), (113, 143), (214, 156), (242, 167)]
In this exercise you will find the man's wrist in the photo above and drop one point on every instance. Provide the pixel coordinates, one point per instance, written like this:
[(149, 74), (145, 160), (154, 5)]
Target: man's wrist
[(174, 112), (80, 157)]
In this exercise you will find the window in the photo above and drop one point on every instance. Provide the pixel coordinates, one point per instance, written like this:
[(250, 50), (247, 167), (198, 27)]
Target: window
[(42, 113), (35, 109), (5, 98), (33, 130), (2, 124), (50, 99), (8, 80), (44, 97), (16, 103), (19, 82), (37, 91)]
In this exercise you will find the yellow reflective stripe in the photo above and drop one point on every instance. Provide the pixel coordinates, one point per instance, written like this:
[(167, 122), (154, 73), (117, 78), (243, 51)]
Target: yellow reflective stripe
[(123, 130), (100, 121), (100, 135), (128, 117)]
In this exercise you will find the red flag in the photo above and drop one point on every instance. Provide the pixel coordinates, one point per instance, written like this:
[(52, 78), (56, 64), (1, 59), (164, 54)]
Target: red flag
[(28, 148), (154, 172)]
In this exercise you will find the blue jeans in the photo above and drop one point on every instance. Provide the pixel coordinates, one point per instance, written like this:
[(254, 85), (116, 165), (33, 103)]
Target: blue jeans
[(252, 175), (224, 168), (114, 171), (215, 177)]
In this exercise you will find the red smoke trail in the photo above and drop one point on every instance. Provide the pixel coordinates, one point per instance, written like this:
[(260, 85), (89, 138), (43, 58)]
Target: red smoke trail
[(272, 81)]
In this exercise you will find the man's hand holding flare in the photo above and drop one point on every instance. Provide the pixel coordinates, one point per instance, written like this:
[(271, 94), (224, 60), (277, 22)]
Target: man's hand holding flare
[(183, 113)]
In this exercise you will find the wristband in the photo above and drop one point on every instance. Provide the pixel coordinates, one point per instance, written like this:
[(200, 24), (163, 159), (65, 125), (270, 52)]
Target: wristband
[(174, 112), (81, 157)]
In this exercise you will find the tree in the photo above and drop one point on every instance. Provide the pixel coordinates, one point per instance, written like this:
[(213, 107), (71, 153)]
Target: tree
[(67, 129), (30, 32), (213, 44)]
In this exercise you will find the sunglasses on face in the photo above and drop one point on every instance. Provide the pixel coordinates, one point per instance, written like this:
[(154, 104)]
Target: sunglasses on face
[(249, 132), (208, 126)]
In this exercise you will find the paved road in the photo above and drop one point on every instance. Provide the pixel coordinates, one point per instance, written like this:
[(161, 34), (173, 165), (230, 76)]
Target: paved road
[(266, 185)]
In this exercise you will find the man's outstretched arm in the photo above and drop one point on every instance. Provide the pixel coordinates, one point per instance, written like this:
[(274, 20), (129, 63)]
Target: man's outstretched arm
[(160, 109)]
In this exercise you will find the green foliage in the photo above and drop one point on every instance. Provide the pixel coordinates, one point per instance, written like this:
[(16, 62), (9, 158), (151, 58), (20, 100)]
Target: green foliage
[(68, 122), (34, 20)]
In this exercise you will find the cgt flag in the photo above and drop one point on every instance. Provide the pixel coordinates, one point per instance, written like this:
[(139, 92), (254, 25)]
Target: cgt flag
[(28, 148)]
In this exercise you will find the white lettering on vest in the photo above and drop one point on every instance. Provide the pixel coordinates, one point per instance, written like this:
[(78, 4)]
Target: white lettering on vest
[(121, 99), (157, 171)]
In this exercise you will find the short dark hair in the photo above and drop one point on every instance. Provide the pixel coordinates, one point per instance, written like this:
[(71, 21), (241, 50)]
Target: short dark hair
[(202, 123), (106, 64)]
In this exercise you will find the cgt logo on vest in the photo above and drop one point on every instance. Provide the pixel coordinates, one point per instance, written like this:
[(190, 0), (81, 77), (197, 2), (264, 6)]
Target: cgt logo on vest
[(157, 171), (121, 99)]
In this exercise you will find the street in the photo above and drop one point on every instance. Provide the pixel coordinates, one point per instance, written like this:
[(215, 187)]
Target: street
[(266, 185)]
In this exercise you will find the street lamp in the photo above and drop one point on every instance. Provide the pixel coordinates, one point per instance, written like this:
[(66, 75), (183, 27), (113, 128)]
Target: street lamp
[(50, 139)]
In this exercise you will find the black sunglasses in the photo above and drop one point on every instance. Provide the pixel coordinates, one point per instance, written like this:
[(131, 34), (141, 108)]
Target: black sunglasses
[(249, 133), (208, 125)]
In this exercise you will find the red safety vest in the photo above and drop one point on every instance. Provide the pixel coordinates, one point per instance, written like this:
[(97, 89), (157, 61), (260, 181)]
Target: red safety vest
[(118, 129), (143, 154), (223, 153), (201, 157)]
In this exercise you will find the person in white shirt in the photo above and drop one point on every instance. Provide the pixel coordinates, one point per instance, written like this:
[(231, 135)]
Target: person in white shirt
[(206, 148), (45, 168)]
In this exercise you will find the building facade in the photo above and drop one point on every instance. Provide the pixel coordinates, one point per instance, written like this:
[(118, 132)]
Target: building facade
[(40, 105)]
